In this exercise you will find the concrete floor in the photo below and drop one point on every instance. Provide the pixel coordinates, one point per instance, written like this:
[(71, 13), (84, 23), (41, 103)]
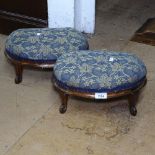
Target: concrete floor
[(30, 123)]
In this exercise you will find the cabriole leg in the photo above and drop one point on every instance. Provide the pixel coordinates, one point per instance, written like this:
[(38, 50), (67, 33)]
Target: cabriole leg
[(64, 99), (19, 72), (133, 98)]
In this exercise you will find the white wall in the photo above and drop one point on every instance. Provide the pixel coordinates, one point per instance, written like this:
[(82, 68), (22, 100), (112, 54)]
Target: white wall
[(72, 13), (85, 15), (60, 13)]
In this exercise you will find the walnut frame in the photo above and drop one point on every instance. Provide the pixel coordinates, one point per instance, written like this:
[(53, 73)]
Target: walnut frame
[(19, 65), (131, 94)]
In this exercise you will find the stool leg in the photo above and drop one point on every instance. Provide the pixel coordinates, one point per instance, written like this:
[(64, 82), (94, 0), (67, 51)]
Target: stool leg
[(64, 99), (133, 98), (19, 72)]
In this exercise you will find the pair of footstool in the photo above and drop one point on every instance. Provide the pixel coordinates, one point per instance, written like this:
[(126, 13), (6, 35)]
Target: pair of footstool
[(77, 71)]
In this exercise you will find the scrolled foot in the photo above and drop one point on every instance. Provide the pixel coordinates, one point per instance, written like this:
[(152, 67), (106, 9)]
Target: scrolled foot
[(18, 80), (133, 111), (64, 99), (133, 98), (63, 109)]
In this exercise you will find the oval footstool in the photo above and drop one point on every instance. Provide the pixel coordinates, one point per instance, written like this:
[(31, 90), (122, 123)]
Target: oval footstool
[(40, 47), (99, 75)]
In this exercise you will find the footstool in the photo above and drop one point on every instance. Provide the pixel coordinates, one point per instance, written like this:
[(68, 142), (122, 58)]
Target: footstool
[(99, 75), (40, 47)]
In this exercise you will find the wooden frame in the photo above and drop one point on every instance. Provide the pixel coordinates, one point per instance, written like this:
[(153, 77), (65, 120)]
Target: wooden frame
[(20, 65), (131, 94)]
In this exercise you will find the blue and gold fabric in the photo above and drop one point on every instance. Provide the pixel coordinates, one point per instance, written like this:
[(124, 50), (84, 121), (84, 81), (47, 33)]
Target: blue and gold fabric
[(44, 44), (99, 71)]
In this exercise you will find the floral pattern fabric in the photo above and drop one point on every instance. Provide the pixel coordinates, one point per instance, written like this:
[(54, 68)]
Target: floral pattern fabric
[(99, 71), (44, 44)]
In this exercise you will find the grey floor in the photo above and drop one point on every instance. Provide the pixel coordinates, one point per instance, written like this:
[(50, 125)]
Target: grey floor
[(30, 123)]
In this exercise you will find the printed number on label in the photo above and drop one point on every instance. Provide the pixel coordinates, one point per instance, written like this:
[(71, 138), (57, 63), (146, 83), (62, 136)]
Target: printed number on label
[(100, 95)]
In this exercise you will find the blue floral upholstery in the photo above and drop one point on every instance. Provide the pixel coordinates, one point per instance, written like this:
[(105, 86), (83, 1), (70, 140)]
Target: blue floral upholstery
[(99, 71), (44, 44)]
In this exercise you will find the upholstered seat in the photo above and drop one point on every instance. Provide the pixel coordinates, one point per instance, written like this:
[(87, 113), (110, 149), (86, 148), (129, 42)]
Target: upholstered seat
[(94, 72), (44, 44), (40, 47), (99, 71)]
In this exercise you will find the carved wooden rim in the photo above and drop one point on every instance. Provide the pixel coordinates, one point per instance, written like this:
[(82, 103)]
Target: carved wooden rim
[(109, 95), (29, 63)]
